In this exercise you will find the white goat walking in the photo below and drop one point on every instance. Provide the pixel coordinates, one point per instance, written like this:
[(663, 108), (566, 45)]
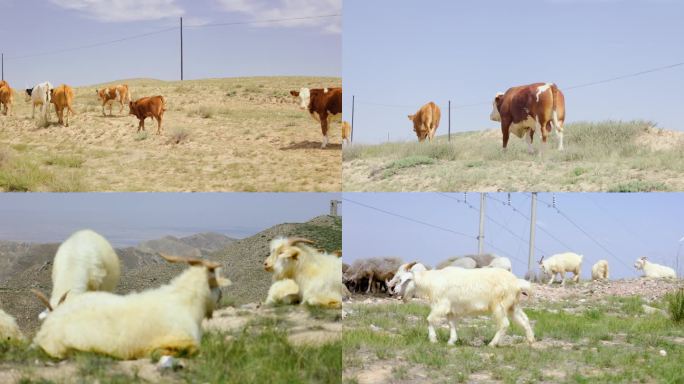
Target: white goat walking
[(561, 264), (455, 292)]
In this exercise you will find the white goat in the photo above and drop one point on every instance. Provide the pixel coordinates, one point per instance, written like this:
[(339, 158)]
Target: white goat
[(654, 270), (404, 268), (501, 262), (285, 291), (456, 292), (318, 275), (599, 271), (9, 331), (562, 263), (84, 262), (165, 320)]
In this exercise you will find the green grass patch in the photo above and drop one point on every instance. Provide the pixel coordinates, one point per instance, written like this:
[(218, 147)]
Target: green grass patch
[(407, 162), (266, 357), (639, 186), (675, 305)]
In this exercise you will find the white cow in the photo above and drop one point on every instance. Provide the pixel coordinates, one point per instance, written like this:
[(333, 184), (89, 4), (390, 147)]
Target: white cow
[(40, 95)]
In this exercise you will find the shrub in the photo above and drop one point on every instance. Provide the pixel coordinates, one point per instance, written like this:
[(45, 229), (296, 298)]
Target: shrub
[(675, 305)]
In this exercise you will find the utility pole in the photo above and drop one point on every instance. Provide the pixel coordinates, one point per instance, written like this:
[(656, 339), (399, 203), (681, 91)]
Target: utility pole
[(351, 139), (333, 207), (533, 225), (480, 237), (181, 41), (681, 241), (450, 129), (3, 66)]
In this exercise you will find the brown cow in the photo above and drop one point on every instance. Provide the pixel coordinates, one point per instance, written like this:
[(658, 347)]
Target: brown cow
[(145, 107), (322, 103), (346, 132), (6, 98), (426, 121), (62, 97), (527, 108), (111, 95)]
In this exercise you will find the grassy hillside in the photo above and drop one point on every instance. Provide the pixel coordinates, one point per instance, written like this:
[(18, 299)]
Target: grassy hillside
[(605, 156), (235, 134)]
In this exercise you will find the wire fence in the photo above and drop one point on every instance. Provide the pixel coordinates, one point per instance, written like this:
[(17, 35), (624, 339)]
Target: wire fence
[(411, 108)]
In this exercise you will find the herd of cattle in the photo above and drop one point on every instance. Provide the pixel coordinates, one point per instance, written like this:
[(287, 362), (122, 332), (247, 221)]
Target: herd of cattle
[(521, 110), (322, 104)]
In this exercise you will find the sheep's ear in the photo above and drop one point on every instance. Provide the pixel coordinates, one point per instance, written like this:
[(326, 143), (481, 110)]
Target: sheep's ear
[(291, 253), (223, 282), (297, 240), (42, 298), (64, 296), (338, 253)]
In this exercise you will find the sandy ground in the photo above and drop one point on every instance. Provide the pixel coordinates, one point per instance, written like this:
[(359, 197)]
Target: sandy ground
[(237, 134)]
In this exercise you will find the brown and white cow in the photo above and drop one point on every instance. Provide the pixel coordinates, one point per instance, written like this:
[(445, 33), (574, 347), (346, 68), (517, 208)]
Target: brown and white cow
[(110, 95), (524, 109), (6, 98), (426, 121), (346, 132), (62, 97), (145, 107), (322, 104)]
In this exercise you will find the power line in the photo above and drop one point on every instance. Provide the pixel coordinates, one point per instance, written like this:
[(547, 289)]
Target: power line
[(138, 36), (409, 219), (566, 217), (635, 74)]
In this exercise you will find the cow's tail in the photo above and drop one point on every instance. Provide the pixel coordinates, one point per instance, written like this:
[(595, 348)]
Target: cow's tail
[(69, 100), (554, 110), (163, 103)]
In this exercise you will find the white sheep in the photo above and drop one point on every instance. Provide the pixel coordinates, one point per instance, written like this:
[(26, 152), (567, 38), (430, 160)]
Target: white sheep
[(83, 262), (456, 292), (599, 271), (9, 331), (561, 264), (654, 270), (456, 261), (501, 262), (318, 275), (285, 291), (164, 320)]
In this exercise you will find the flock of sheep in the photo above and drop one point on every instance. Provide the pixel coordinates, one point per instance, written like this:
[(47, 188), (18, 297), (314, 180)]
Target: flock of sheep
[(474, 285), (83, 313)]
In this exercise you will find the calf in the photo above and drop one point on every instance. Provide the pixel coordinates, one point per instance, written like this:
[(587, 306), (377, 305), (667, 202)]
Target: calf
[(39, 95), (524, 109), (145, 107), (62, 97), (118, 93), (6, 97), (346, 132), (426, 121), (322, 104)]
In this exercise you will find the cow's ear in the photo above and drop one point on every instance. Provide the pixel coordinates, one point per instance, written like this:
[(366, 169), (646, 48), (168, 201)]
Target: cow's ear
[(294, 93), (410, 117)]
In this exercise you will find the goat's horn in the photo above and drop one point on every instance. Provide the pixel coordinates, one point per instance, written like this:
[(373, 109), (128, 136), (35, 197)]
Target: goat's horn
[(297, 240), (411, 264), (41, 296), (64, 296), (190, 260)]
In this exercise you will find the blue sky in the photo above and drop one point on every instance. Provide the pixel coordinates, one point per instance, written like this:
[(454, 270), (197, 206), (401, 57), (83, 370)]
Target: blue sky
[(467, 51), (628, 225), (128, 218), (303, 47)]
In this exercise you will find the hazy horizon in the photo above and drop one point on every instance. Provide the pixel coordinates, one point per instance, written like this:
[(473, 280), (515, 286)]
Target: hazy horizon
[(127, 219)]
